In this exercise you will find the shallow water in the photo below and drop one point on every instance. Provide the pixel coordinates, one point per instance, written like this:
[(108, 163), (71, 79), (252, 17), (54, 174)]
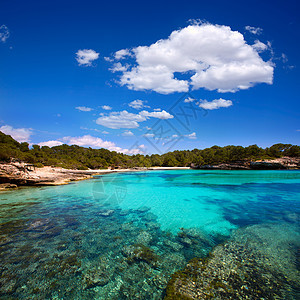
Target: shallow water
[(121, 236)]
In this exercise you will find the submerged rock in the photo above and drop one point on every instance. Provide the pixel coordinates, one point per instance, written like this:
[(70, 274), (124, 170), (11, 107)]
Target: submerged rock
[(96, 277), (141, 253), (143, 209), (106, 212), (257, 263)]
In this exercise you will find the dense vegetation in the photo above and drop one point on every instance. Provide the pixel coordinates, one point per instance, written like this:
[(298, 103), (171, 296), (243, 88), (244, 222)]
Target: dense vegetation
[(82, 158)]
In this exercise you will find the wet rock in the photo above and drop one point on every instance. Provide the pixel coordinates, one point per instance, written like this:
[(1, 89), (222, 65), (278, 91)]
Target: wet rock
[(96, 277), (5, 186), (71, 221), (144, 238), (149, 217), (143, 209), (242, 268), (40, 225), (141, 253), (99, 275), (106, 212), (153, 225), (173, 245), (124, 212)]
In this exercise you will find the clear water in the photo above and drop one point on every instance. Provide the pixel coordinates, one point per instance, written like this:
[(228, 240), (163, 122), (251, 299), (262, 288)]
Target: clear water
[(121, 236)]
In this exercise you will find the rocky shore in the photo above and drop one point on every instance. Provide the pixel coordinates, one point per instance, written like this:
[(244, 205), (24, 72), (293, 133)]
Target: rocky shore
[(283, 163), (22, 174)]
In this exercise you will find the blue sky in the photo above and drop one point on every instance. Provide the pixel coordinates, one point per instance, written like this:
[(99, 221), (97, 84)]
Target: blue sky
[(190, 74)]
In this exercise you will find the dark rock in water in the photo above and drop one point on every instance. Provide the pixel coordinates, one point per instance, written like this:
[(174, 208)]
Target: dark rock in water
[(96, 277), (242, 268), (106, 213), (40, 225), (99, 275), (153, 225), (173, 245), (4, 186), (141, 253), (149, 217), (144, 238), (124, 212), (143, 209), (264, 165)]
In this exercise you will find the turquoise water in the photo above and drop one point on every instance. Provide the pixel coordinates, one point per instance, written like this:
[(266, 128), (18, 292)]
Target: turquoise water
[(121, 236)]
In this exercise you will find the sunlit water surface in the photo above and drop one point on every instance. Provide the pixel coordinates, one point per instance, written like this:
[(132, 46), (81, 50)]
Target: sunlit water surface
[(121, 236)]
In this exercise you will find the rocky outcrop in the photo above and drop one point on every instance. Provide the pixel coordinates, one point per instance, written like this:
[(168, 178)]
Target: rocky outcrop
[(21, 174), (284, 163), (243, 268)]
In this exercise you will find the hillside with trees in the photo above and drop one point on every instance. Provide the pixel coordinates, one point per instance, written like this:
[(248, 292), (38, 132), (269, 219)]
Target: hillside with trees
[(76, 157)]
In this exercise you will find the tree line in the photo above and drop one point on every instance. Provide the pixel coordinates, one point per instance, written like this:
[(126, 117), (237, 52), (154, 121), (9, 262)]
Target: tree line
[(76, 157)]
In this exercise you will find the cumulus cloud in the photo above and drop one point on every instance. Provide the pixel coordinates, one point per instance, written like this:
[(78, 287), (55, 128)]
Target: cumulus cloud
[(128, 133), (85, 57), (149, 135), (106, 107), (259, 46), (191, 136), (209, 56), (137, 104), (84, 108), (118, 67), (157, 114), (50, 143), (4, 33), (122, 54), (189, 100), (254, 30), (19, 134), (215, 104), (124, 119), (96, 142)]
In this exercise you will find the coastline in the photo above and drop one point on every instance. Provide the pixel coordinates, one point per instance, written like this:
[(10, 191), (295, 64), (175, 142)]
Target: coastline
[(14, 175)]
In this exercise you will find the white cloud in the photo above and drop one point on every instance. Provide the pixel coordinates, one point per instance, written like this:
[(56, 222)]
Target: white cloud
[(259, 46), (254, 30), (128, 133), (91, 141), (124, 119), (84, 108), (148, 135), (157, 114), (191, 136), (284, 58), (210, 56), (106, 107), (215, 104), (96, 142), (122, 54), (4, 33), (118, 67), (51, 143), (188, 100), (157, 109), (85, 57), (138, 104), (19, 134), (109, 59)]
